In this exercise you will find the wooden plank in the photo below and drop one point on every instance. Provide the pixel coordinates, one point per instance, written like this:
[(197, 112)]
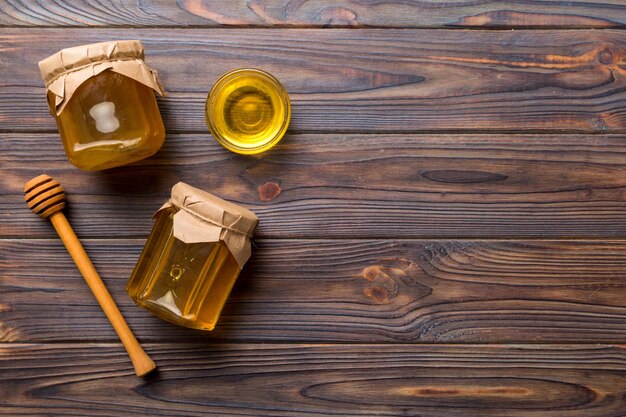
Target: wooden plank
[(309, 380), (324, 13), (362, 80), (343, 290), (312, 186)]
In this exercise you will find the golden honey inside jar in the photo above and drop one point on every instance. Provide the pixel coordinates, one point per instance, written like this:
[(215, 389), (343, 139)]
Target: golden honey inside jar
[(110, 121), (248, 111)]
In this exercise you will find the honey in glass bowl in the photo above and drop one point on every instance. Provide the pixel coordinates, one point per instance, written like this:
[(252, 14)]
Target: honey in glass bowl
[(248, 111)]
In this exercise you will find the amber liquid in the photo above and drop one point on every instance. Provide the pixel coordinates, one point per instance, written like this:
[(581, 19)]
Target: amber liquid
[(186, 284), (248, 113), (110, 120)]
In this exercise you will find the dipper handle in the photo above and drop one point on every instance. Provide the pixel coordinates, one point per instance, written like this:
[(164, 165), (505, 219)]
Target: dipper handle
[(46, 198)]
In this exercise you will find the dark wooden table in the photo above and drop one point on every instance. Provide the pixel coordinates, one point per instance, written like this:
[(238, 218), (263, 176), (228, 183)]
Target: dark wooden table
[(442, 230)]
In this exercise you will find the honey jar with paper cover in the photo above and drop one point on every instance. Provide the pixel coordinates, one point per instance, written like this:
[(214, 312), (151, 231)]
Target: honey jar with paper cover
[(198, 245), (102, 97)]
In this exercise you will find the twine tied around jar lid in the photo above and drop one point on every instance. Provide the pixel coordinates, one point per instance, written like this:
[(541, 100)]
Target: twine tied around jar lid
[(69, 68), (203, 217)]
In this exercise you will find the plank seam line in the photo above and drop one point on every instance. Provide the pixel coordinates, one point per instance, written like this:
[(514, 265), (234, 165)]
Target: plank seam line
[(213, 341), (371, 132), (139, 238), (475, 132), (286, 26)]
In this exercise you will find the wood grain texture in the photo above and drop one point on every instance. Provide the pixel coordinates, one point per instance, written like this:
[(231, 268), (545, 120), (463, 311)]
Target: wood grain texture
[(407, 149), (338, 186), (342, 290), (308, 380), (362, 80), (309, 13)]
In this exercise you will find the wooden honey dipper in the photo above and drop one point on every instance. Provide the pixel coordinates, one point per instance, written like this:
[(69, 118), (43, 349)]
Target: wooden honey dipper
[(46, 198)]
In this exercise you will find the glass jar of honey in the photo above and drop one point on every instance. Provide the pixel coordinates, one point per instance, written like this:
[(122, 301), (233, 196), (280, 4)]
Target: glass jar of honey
[(248, 111), (102, 97), (190, 262)]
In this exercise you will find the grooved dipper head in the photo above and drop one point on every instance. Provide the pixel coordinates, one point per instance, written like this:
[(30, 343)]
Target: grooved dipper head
[(44, 195)]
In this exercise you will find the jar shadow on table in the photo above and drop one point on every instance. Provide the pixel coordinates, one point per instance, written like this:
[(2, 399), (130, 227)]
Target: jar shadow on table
[(145, 177)]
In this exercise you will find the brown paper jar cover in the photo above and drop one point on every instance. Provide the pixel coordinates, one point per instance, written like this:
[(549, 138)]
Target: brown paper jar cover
[(203, 217), (192, 258), (67, 69)]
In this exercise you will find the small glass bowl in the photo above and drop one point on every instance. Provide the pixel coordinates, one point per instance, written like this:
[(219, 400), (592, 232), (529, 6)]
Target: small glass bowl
[(247, 111)]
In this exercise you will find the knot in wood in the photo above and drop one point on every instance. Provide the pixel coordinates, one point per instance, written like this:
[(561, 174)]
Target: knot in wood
[(607, 56), (269, 191)]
